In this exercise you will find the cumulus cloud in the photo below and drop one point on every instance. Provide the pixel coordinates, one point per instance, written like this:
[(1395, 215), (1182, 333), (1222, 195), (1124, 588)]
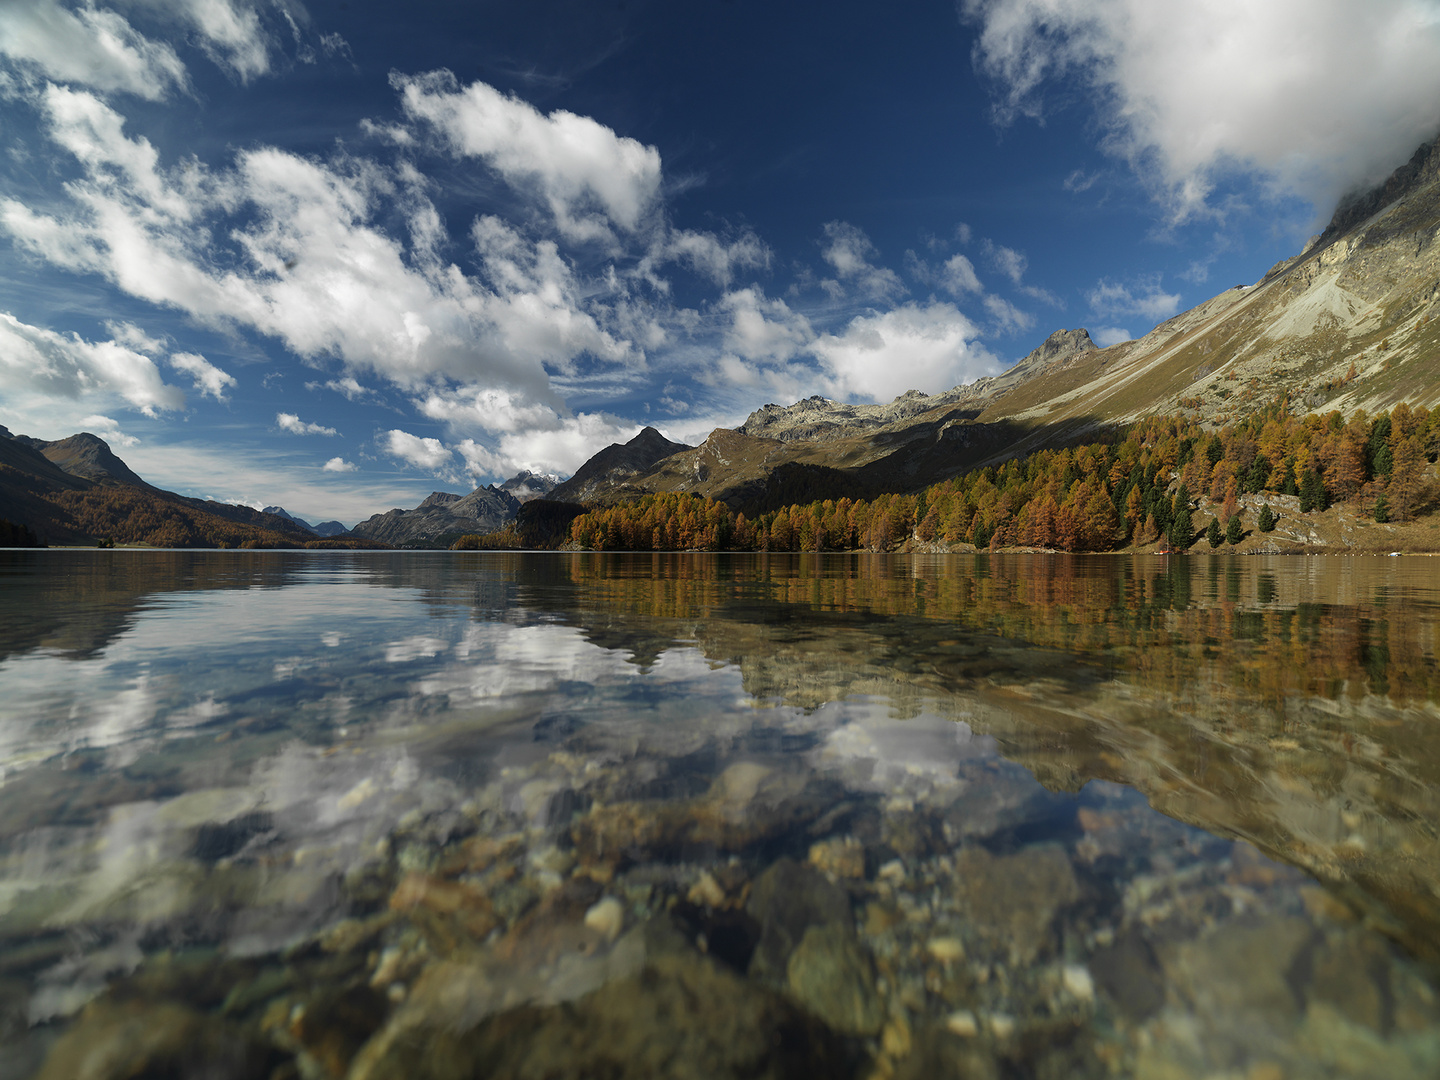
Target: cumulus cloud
[(41, 362), (292, 423), (1105, 336), (929, 348), (429, 454), (590, 177), (108, 428), (1144, 298), (310, 266), (209, 379), (763, 329), (89, 46), (338, 465), (1315, 97), (849, 252)]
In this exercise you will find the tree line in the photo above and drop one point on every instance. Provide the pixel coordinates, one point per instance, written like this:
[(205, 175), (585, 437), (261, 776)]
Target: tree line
[(1137, 485)]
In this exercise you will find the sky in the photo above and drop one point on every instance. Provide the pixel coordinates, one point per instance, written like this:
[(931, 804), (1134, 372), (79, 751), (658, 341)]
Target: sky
[(335, 256)]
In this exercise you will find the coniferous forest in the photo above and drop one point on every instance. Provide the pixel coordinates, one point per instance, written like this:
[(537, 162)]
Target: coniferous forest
[(1138, 485)]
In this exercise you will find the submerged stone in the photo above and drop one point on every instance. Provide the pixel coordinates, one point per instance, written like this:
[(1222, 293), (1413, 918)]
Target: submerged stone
[(786, 901), (681, 1015), (831, 975), (1011, 901), (120, 1041)]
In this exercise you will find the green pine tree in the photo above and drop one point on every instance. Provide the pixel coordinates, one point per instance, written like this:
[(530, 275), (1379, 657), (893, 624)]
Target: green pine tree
[(1182, 527), (1267, 519), (1212, 533), (1234, 529), (1382, 509), (1312, 492)]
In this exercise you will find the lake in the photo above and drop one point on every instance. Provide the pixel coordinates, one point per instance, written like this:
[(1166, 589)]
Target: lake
[(442, 815)]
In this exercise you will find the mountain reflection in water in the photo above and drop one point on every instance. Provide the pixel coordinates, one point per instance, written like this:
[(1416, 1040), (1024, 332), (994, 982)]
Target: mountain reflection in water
[(443, 815)]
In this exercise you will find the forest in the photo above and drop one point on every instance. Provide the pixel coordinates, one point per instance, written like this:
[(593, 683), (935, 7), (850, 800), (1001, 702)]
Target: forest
[(1136, 485)]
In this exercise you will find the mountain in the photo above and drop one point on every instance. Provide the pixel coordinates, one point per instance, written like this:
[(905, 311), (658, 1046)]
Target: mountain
[(442, 518), (87, 456), (1349, 323), (325, 528), (614, 465), (77, 491), (526, 485), (280, 511)]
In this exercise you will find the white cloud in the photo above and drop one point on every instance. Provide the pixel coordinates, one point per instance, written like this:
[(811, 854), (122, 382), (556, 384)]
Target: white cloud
[(1316, 97), (339, 465), (132, 336), (348, 386), (531, 434), (209, 379), (848, 251), (928, 348), (312, 270), (292, 423), (762, 329), (229, 32), (563, 448), (412, 449), (1105, 336), (108, 428), (1008, 261), (90, 46), (40, 362), (590, 177), (1008, 318), (1145, 298), (958, 276), (710, 257)]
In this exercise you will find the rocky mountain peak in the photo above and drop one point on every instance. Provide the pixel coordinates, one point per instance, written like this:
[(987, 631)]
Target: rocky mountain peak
[(87, 456), (1423, 168)]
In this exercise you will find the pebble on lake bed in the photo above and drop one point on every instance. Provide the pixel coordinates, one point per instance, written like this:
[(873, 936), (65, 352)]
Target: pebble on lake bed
[(946, 949), (1076, 979), (962, 1022), (606, 917)]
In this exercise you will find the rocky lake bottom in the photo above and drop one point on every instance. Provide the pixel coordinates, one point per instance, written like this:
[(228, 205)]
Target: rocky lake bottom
[(335, 815)]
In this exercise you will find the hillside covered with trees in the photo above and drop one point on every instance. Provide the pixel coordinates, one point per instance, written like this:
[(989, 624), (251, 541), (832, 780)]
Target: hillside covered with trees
[(1138, 485)]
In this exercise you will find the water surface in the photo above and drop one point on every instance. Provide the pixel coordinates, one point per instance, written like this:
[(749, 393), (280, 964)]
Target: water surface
[(332, 814)]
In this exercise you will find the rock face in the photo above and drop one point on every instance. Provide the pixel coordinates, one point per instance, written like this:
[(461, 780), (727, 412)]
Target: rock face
[(441, 517), (615, 464)]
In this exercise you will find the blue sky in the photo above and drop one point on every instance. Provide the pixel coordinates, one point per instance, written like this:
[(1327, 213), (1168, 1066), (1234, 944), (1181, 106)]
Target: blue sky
[(337, 255)]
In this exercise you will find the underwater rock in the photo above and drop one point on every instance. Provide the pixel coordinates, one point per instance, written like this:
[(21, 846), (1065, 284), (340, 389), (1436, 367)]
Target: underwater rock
[(747, 804), (1012, 900), (119, 1041), (786, 901), (831, 976), (940, 1054), (681, 1015), (450, 912), (1128, 971), (840, 857)]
